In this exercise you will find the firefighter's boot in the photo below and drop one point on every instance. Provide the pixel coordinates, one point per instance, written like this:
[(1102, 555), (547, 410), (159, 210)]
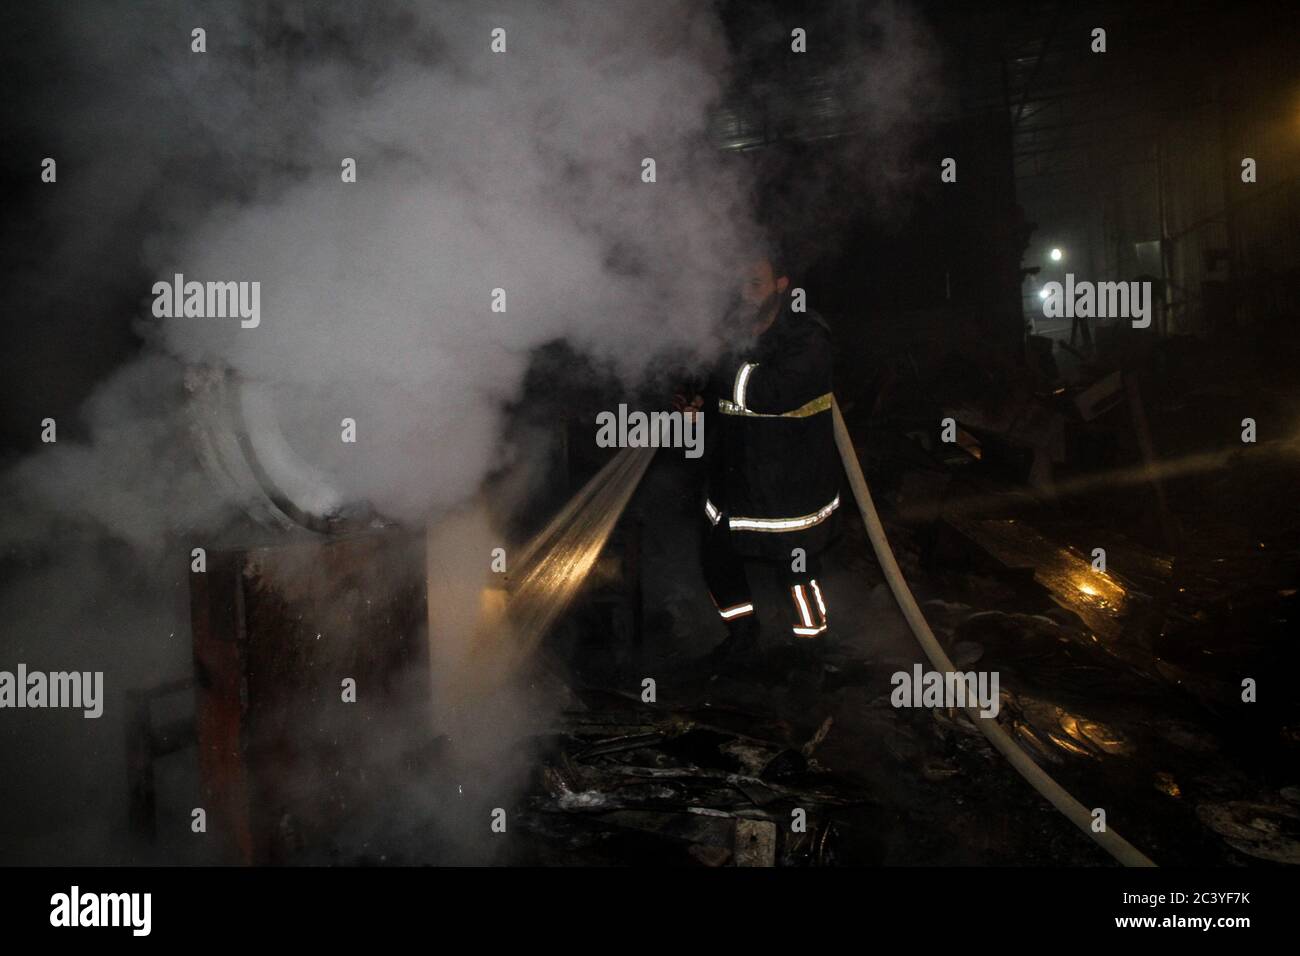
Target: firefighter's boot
[(740, 649), (807, 672)]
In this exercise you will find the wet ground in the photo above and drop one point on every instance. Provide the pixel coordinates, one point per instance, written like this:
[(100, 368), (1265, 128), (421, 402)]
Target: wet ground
[(1125, 685), (1128, 686)]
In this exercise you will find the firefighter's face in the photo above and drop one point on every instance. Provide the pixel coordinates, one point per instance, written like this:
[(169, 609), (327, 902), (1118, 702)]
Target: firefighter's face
[(759, 288)]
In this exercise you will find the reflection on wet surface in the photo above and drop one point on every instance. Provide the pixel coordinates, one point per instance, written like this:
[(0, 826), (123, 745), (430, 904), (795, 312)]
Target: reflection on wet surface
[(1123, 684), (1096, 596), (1127, 684)]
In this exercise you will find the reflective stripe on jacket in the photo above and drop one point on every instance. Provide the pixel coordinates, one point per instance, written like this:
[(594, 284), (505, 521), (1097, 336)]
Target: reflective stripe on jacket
[(773, 470)]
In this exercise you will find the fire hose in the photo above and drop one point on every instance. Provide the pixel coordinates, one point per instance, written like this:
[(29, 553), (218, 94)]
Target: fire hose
[(1039, 779), (569, 554)]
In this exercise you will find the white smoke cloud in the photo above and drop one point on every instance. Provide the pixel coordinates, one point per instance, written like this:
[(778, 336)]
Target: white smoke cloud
[(476, 171)]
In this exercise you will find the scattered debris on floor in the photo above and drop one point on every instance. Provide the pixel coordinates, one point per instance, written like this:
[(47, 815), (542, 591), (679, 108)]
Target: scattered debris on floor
[(685, 790)]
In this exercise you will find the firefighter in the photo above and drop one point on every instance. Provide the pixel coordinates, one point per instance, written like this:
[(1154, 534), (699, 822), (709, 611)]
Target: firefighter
[(772, 490)]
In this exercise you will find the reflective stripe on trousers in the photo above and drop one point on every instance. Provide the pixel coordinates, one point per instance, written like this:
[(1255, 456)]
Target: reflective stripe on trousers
[(809, 609)]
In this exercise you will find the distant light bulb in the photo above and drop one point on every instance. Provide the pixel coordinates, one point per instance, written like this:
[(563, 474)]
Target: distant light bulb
[(1042, 293), (1056, 255)]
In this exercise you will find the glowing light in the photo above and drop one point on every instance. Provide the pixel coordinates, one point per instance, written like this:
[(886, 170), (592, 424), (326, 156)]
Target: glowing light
[(1056, 255), (1042, 293)]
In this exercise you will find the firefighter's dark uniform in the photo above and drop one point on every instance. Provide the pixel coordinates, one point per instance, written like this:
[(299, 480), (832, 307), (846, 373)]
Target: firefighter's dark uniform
[(773, 474)]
